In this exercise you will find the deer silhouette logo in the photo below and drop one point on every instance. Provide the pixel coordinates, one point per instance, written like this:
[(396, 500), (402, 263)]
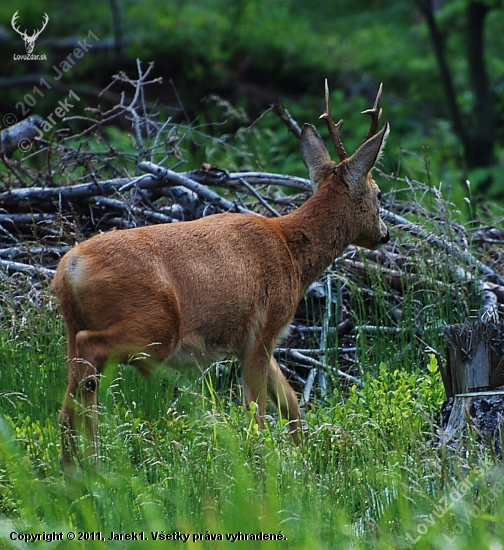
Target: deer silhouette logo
[(29, 40)]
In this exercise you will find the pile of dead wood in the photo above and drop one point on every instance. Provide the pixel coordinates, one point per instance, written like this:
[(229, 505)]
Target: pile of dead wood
[(65, 191)]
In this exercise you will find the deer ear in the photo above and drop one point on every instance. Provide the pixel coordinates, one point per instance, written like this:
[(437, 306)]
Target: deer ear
[(313, 152), (363, 160)]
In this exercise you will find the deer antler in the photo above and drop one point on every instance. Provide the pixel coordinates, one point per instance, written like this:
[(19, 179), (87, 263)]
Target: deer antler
[(375, 113), (24, 34), (13, 23), (334, 129), (45, 21)]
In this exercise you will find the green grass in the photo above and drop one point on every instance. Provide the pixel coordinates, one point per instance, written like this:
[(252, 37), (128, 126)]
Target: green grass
[(179, 455), (178, 452)]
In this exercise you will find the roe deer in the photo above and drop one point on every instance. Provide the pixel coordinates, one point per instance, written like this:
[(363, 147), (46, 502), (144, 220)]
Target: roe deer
[(227, 284)]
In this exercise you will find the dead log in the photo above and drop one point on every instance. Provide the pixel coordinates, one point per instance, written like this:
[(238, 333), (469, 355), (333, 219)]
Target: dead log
[(473, 378), (20, 135)]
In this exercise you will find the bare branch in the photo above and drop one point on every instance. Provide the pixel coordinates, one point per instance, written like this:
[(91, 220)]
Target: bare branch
[(12, 138), (286, 117), (164, 174), (33, 269)]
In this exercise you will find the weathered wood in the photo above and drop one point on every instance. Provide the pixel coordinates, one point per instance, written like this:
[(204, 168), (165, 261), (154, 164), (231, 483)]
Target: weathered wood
[(472, 378), (44, 207), (443, 244), (481, 412), (20, 135), (34, 269), (473, 357), (164, 174), (456, 418)]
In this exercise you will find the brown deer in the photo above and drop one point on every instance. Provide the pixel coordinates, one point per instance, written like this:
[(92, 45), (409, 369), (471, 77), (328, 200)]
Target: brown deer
[(228, 284)]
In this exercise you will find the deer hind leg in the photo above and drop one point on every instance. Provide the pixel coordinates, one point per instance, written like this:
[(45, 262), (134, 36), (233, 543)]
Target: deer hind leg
[(87, 353), (284, 398), (66, 417)]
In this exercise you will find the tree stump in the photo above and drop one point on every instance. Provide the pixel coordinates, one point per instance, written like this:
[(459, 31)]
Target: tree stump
[(473, 379)]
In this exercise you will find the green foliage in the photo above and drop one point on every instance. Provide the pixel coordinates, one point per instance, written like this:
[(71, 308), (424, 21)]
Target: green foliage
[(392, 399), (177, 451), (190, 34), (178, 454), (285, 49)]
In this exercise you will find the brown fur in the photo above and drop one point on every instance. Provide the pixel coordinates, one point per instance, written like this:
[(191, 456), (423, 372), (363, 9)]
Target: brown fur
[(227, 284)]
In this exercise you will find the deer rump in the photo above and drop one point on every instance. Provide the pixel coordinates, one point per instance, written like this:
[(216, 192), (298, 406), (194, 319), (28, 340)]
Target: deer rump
[(187, 294)]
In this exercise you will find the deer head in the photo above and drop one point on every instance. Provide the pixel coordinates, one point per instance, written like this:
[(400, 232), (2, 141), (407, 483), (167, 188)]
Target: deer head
[(227, 284), (29, 40), (350, 179)]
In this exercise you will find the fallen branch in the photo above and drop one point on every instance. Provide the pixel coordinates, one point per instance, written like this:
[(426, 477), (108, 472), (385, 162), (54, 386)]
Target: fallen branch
[(450, 248), (14, 137), (112, 190), (294, 354), (286, 117), (33, 269), (166, 175)]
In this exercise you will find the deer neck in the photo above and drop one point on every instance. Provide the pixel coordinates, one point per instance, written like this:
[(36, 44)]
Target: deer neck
[(318, 231)]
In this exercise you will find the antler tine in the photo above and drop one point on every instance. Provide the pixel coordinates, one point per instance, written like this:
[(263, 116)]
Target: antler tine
[(375, 113), (334, 129), (13, 23), (44, 24)]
